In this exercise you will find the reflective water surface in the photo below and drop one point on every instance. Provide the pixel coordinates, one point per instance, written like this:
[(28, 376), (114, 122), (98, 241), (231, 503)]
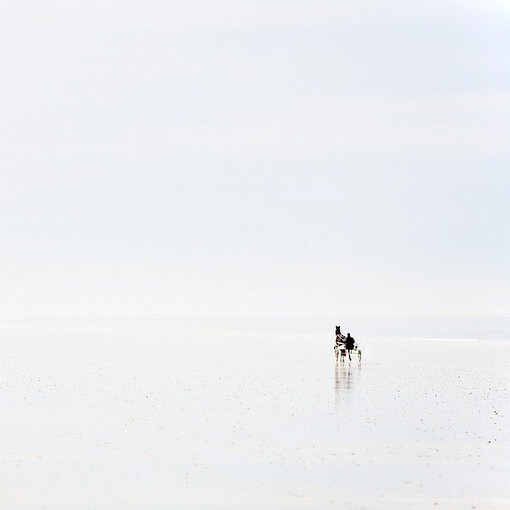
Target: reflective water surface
[(94, 419)]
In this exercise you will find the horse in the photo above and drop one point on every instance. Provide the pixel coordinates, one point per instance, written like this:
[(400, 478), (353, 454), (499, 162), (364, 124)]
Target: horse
[(339, 348), (340, 351)]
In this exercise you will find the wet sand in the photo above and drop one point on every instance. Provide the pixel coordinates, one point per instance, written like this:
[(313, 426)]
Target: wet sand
[(95, 419)]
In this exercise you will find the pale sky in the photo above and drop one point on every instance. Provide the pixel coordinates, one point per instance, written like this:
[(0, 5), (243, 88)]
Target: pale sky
[(255, 158)]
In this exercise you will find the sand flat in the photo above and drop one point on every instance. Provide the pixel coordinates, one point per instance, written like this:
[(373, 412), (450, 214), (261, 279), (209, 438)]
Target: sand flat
[(95, 419)]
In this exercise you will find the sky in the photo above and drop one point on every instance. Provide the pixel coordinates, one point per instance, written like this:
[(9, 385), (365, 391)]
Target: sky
[(255, 158)]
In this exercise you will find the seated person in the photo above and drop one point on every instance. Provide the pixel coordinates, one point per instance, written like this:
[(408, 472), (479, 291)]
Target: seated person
[(349, 342)]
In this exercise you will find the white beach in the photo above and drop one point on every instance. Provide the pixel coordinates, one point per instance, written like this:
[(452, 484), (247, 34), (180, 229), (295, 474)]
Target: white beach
[(158, 419)]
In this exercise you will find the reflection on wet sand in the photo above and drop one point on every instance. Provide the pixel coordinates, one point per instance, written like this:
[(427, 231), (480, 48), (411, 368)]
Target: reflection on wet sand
[(346, 375)]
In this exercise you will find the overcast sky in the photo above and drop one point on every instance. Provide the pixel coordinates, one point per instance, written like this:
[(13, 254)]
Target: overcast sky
[(255, 158)]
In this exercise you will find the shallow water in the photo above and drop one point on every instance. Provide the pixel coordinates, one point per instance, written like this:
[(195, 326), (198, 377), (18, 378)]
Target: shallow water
[(96, 419)]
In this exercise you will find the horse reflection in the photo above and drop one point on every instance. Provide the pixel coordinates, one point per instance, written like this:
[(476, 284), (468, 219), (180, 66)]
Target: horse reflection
[(346, 376), (343, 376)]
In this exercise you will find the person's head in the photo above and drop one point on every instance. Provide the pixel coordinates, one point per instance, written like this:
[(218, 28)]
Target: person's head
[(348, 334)]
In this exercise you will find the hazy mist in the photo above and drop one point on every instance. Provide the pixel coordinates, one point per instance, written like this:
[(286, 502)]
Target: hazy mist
[(255, 158)]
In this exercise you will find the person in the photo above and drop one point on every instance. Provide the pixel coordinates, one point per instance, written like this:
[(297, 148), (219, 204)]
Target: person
[(349, 344)]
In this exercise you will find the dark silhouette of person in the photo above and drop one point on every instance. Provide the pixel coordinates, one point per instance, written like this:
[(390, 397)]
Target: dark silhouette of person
[(349, 344)]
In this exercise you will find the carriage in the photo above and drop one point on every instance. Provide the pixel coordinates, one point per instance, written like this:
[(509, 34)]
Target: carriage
[(342, 345)]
